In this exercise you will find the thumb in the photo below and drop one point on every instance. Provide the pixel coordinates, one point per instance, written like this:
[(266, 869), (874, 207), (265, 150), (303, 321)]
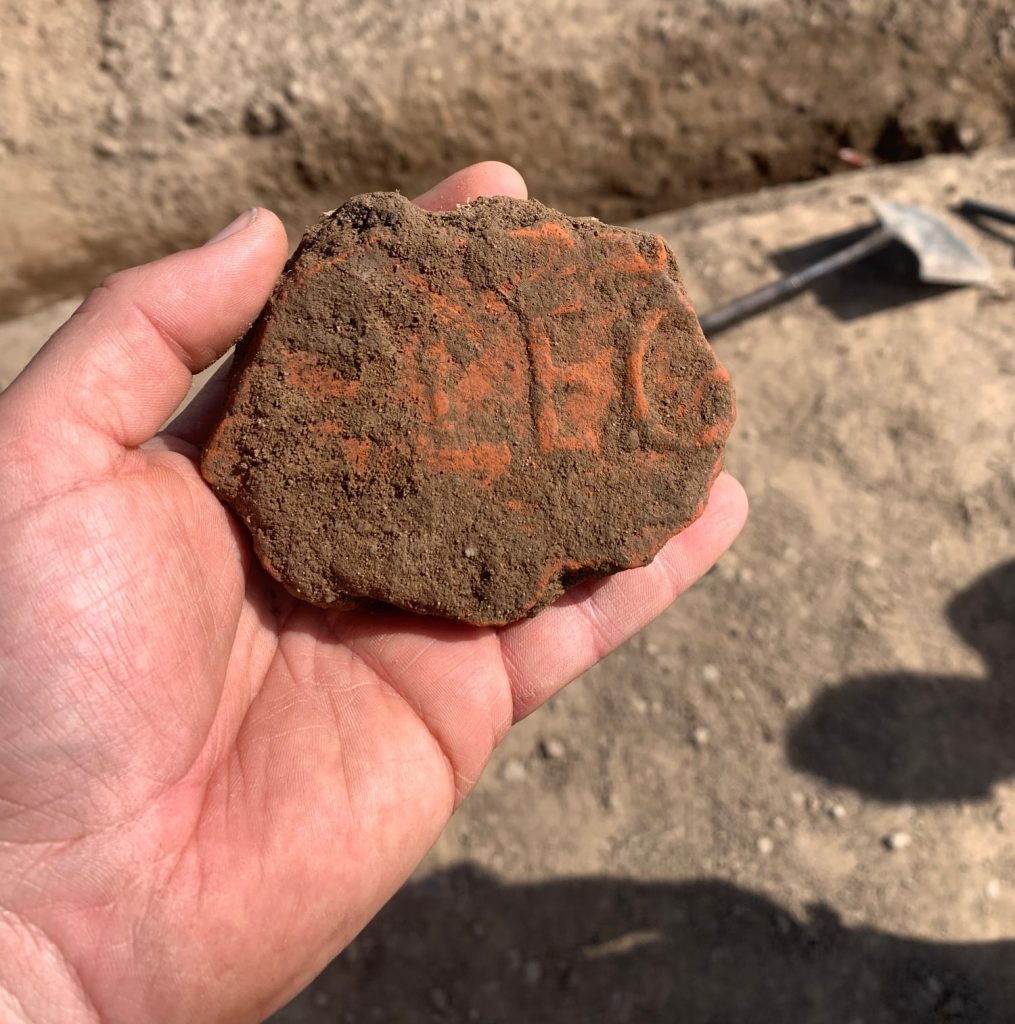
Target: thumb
[(118, 368)]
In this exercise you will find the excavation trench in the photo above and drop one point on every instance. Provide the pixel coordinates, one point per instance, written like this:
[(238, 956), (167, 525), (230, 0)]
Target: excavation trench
[(156, 138)]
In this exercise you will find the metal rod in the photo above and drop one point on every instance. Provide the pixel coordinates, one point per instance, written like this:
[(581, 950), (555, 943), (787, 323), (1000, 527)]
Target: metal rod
[(792, 284), (973, 206)]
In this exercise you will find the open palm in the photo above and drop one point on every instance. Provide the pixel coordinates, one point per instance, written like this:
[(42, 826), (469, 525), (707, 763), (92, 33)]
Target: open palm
[(207, 787)]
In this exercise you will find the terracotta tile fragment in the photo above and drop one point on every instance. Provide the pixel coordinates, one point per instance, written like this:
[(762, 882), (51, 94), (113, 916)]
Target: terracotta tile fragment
[(464, 413)]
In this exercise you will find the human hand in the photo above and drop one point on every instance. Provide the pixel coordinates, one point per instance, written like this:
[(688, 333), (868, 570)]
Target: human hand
[(208, 787)]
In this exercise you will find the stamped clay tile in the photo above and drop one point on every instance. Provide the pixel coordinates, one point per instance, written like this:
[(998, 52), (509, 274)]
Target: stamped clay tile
[(465, 413)]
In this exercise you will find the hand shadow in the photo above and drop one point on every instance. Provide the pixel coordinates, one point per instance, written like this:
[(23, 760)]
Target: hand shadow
[(925, 738), (461, 947)]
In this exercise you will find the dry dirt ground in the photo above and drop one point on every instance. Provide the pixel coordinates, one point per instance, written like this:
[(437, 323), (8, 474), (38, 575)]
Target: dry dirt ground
[(792, 799), (130, 127)]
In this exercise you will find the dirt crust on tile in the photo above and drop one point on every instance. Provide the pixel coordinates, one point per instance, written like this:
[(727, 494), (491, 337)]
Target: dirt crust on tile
[(465, 413)]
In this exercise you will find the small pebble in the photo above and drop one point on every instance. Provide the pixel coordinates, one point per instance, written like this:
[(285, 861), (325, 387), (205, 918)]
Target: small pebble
[(553, 749), (969, 136), (118, 111), (439, 999), (797, 799), (866, 619), (837, 811), (532, 972), (264, 117), (897, 841), (108, 148), (514, 770), (710, 673), (992, 889), (700, 736), (321, 998), (765, 846)]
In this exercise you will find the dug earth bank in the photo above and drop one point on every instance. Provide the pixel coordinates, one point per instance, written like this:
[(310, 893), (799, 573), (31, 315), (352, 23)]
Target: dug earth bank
[(130, 129)]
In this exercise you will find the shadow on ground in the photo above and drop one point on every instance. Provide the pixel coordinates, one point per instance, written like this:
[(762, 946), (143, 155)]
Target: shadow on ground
[(884, 280), (459, 946), (999, 230), (924, 738)]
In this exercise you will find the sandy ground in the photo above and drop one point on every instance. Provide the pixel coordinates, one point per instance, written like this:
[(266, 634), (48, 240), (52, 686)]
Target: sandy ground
[(793, 798), (131, 128)]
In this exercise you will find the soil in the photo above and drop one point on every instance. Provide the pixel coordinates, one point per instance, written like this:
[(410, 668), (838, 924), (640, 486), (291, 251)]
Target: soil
[(130, 129), (464, 413)]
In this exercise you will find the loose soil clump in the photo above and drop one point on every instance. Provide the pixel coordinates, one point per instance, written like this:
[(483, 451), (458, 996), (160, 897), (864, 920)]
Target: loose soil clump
[(465, 413)]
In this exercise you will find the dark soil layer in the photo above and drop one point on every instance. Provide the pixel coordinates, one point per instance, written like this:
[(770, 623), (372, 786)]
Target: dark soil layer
[(464, 413)]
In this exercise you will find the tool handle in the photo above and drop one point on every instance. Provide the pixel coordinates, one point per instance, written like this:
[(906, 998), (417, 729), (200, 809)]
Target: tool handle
[(792, 284), (973, 206)]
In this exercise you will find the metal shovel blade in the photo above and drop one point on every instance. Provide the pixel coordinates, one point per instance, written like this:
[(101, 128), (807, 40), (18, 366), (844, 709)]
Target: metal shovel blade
[(943, 257)]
